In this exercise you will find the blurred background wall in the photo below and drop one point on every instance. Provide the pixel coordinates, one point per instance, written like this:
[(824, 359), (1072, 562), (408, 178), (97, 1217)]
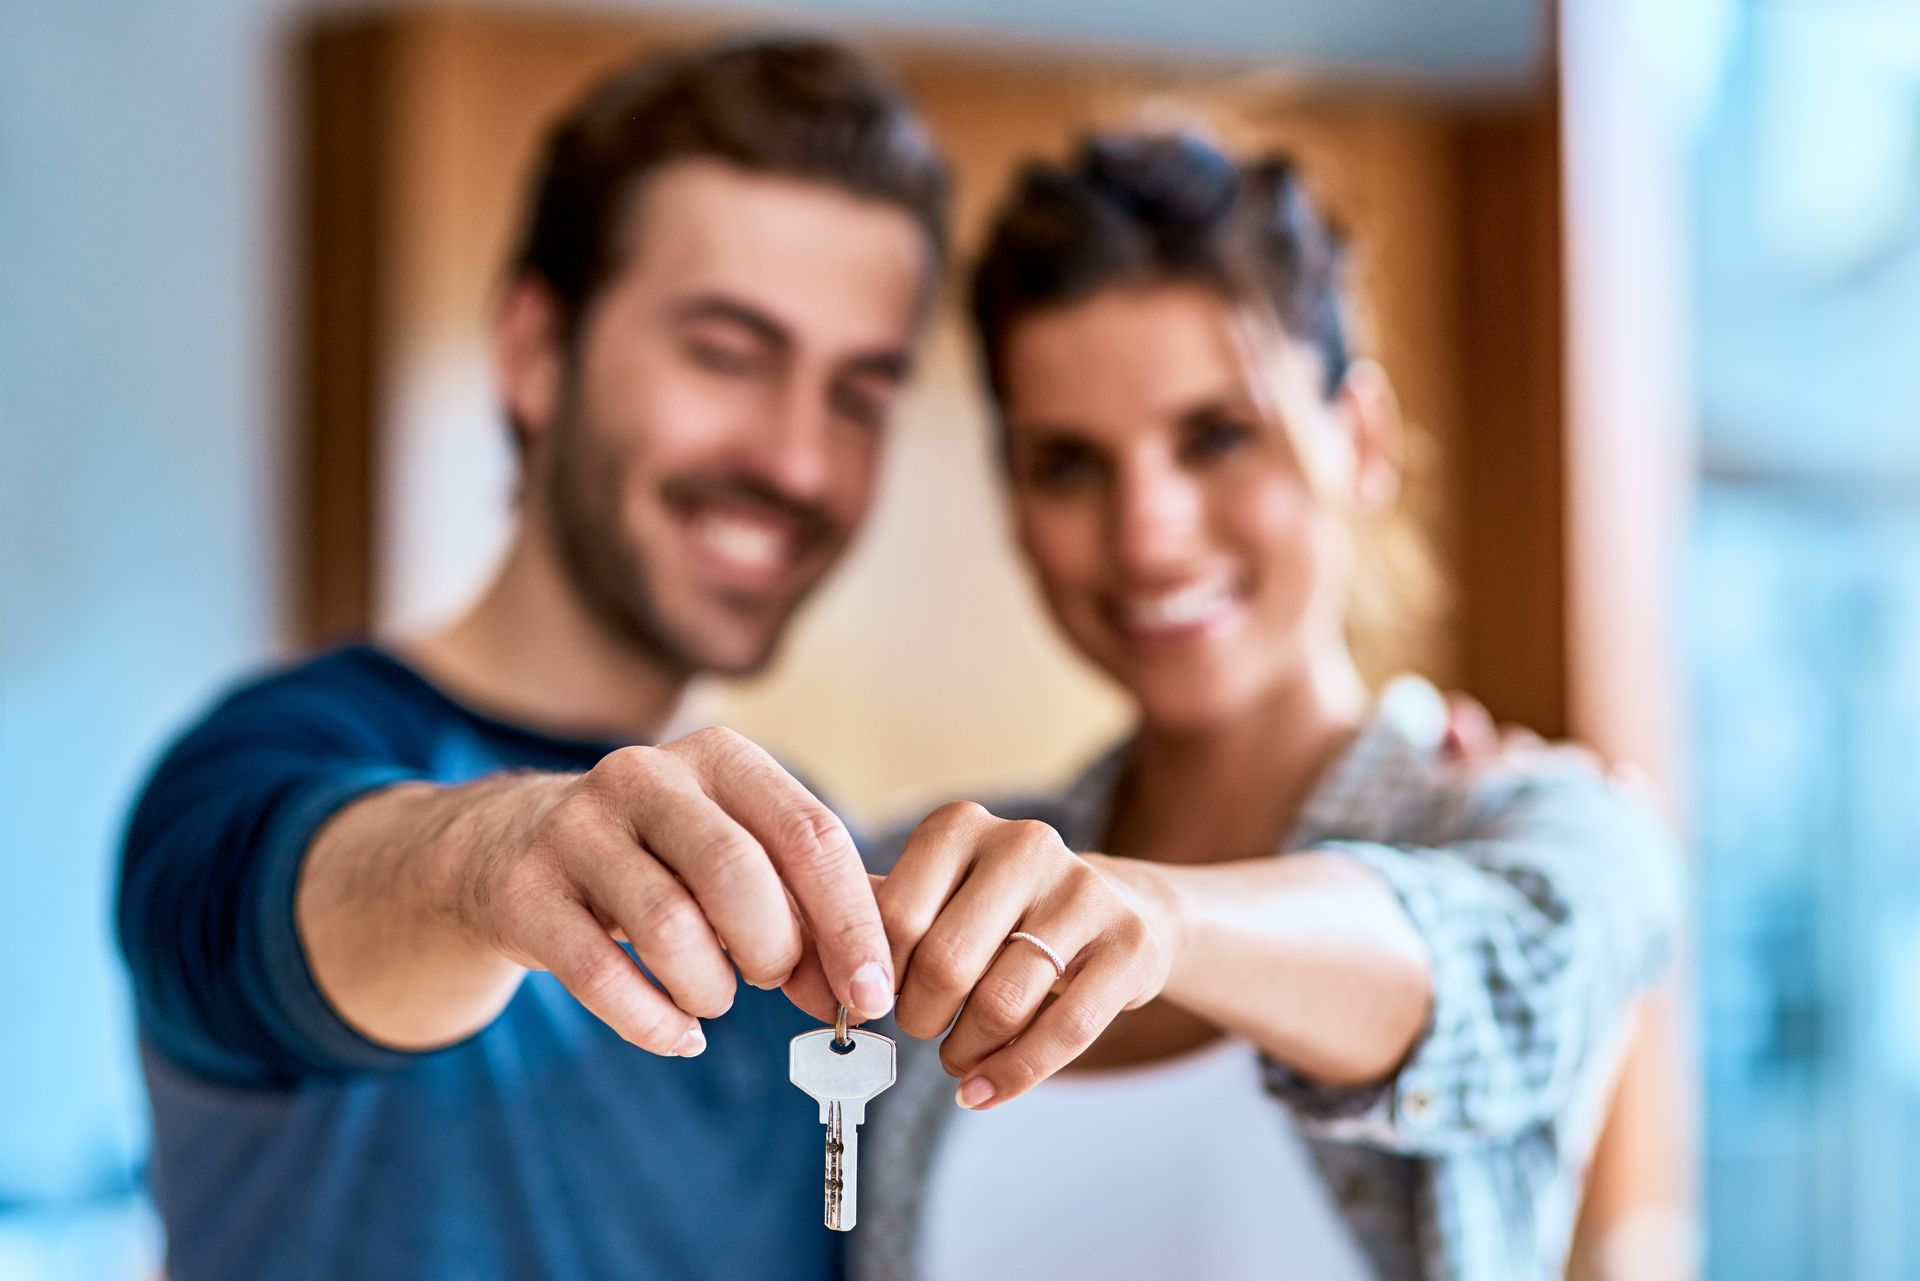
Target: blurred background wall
[(1710, 342), (149, 161)]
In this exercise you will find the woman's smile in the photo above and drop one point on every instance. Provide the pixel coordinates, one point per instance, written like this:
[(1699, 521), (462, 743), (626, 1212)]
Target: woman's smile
[(1181, 615)]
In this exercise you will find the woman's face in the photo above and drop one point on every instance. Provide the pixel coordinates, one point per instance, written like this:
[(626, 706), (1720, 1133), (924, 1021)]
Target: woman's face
[(1157, 449)]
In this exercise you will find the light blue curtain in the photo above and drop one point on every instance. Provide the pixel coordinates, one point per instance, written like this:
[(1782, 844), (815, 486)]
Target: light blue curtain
[(1803, 631)]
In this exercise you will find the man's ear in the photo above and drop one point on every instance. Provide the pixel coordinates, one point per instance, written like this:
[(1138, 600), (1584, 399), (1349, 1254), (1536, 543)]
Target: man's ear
[(1370, 410), (527, 357)]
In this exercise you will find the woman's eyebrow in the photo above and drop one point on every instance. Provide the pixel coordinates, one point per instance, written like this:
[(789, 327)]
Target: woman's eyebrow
[(1223, 404)]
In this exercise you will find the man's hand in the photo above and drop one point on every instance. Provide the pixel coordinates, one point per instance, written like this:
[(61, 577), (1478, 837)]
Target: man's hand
[(702, 853), (966, 881)]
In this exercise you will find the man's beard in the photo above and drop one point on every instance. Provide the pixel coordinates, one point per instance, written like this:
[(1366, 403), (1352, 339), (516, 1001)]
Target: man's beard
[(584, 496)]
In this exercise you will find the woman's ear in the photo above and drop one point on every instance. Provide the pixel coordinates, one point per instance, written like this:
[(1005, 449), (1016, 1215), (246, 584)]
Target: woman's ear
[(1370, 410), (527, 358)]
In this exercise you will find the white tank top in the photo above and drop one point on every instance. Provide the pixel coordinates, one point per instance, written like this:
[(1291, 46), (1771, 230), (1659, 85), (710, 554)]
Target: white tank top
[(1180, 1168)]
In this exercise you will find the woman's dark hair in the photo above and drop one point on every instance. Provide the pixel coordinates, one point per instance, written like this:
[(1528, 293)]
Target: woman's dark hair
[(1145, 209)]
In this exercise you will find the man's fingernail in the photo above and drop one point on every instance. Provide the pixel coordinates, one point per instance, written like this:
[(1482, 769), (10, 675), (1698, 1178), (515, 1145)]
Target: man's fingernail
[(691, 1044), (872, 994), (972, 1094)]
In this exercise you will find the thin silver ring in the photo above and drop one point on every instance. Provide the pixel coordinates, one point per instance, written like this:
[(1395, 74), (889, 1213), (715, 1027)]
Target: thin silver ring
[(1059, 966)]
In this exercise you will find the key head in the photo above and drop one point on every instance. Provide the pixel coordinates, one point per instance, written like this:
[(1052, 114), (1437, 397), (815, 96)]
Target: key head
[(848, 1077)]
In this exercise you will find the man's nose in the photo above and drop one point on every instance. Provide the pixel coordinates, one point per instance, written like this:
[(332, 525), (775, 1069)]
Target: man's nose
[(1155, 518), (792, 452)]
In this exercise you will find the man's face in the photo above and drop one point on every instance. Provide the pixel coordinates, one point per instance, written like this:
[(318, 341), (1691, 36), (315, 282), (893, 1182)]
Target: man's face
[(715, 443)]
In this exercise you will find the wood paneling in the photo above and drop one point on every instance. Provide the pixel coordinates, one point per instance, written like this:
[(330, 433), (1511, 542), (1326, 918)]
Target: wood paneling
[(346, 124), (1508, 460)]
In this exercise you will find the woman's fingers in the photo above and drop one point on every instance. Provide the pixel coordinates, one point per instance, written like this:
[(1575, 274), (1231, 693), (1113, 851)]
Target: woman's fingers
[(1107, 980), (1010, 868), (1006, 998), (1471, 733), (929, 870), (965, 883)]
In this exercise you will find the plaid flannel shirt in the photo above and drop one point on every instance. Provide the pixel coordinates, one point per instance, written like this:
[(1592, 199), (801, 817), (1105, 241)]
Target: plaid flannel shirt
[(1547, 898)]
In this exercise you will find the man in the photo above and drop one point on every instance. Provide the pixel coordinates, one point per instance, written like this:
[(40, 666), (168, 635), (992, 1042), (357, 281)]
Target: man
[(373, 904)]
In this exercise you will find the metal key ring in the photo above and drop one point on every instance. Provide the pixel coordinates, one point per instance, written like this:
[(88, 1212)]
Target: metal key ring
[(840, 1028)]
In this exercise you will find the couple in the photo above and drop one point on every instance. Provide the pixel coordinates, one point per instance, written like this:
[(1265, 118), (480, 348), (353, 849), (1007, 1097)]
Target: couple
[(374, 904)]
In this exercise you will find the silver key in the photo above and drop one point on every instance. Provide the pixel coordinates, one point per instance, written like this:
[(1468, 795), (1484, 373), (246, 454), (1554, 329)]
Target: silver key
[(841, 1070)]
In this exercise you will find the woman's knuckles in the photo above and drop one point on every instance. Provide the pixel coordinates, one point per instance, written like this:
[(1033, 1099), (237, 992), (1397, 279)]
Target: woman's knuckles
[(918, 1017), (952, 819), (998, 1008), (941, 965), (905, 913)]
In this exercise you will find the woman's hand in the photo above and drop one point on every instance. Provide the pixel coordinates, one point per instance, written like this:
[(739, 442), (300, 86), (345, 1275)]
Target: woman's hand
[(965, 883)]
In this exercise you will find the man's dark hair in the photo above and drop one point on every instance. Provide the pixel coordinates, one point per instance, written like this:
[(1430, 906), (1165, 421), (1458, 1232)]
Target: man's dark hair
[(794, 105), (1146, 209)]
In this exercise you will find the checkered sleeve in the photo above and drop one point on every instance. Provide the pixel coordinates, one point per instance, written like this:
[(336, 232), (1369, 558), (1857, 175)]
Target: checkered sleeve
[(1547, 913)]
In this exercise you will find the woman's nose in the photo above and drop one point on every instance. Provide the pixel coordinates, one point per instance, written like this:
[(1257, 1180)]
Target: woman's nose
[(1155, 520)]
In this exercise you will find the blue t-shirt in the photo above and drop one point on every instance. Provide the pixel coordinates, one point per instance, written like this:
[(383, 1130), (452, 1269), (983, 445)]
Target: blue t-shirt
[(289, 1147)]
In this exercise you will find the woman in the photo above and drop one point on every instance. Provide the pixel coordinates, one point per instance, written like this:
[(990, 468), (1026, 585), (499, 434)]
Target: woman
[(1433, 980)]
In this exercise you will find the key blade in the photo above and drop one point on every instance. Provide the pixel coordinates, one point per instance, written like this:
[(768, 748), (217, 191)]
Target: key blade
[(843, 1172)]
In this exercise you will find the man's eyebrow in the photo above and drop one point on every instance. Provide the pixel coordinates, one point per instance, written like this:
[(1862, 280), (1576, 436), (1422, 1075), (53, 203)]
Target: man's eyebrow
[(1052, 435), (733, 311), (893, 364)]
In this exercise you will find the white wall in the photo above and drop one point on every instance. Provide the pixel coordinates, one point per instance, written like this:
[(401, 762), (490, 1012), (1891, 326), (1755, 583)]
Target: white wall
[(136, 552), (1470, 43)]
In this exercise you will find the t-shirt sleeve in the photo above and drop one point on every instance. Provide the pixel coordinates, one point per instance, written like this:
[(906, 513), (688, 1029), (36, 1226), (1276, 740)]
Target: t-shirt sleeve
[(209, 865)]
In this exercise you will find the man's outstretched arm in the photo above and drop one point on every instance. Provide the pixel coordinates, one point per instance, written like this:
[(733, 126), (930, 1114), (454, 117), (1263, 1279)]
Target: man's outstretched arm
[(292, 903), (420, 906)]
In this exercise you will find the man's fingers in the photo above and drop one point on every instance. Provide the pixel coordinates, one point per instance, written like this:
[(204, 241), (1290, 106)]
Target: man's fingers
[(668, 929), (817, 861), (1062, 1033), (571, 943), (808, 988), (726, 870)]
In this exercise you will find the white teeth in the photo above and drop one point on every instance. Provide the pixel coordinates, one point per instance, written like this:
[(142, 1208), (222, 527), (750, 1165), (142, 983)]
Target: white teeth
[(750, 544), (1197, 603)]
